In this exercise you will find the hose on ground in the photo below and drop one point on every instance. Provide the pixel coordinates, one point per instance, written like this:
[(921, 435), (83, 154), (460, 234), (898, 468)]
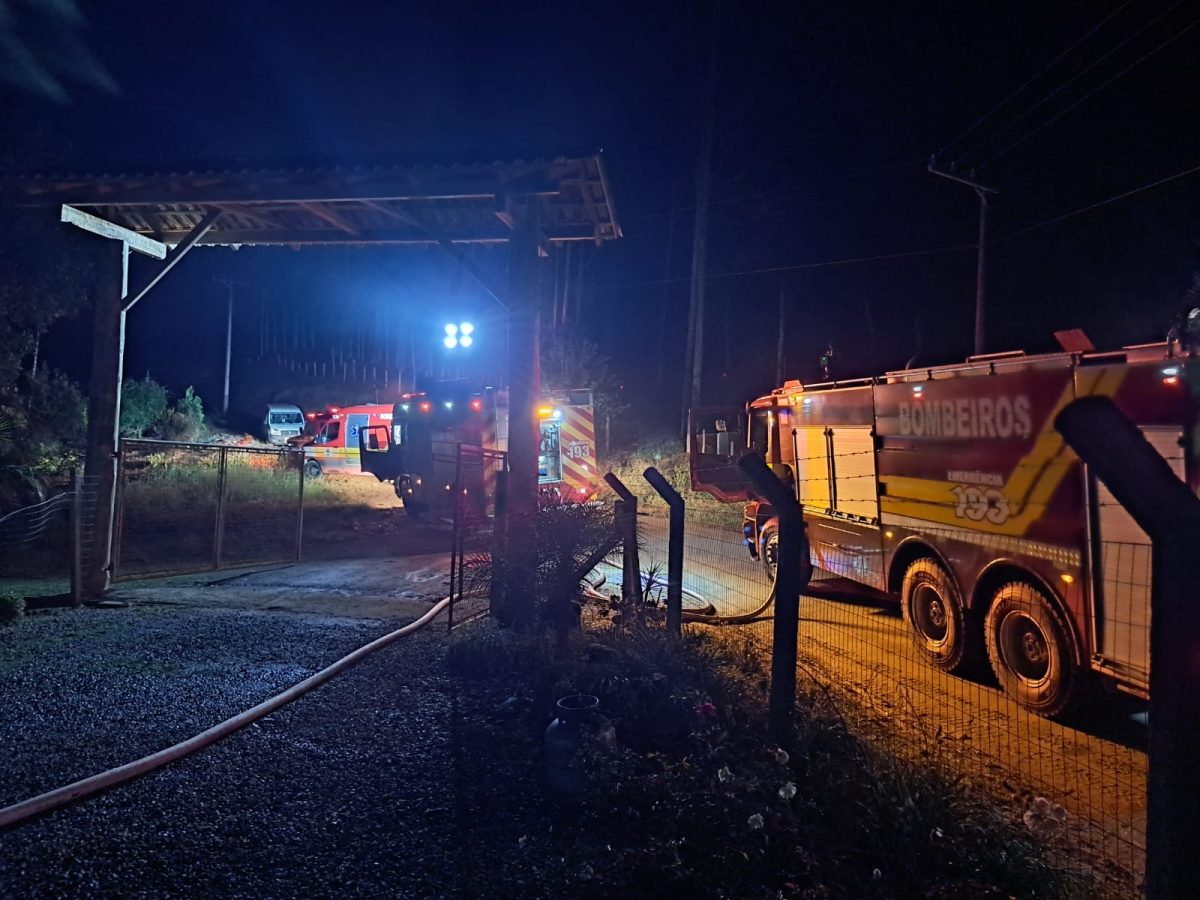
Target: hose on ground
[(18, 813), (702, 618)]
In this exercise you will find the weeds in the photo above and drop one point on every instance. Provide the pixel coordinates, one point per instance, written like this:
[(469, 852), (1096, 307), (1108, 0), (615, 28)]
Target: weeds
[(12, 607), (694, 800)]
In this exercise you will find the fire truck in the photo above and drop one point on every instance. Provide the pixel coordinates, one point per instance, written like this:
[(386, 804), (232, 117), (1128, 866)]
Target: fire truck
[(949, 489), (418, 453), (333, 446)]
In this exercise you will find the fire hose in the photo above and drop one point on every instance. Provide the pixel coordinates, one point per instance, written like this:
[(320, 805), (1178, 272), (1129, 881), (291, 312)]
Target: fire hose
[(25, 810), (709, 614)]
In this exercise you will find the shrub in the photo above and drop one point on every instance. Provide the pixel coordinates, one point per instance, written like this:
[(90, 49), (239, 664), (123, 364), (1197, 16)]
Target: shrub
[(12, 607), (185, 420), (142, 405)]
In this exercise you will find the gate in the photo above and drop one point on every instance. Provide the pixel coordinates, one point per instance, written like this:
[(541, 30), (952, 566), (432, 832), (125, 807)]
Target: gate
[(195, 507), (475, 533)]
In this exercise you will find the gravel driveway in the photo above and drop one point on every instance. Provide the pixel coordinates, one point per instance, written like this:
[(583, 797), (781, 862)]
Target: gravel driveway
[(349, 791)]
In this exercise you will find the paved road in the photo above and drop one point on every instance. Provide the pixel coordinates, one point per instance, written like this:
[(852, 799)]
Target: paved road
[(861, 650)]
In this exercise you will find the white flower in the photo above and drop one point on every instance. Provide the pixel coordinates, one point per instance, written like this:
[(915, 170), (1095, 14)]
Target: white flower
[(781, 755), (935, 833), (755, 822), (724, 775), (788, 791)]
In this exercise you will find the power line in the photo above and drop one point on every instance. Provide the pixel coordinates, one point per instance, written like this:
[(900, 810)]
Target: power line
[(832, 263), (1075, 212), (1090, 93), (908, 254), (1054, 93), (777, 191), (995, 109)]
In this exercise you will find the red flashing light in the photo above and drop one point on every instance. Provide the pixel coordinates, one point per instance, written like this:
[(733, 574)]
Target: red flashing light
[(311, 415), (425, 406), (1171, 379), (476, 404)]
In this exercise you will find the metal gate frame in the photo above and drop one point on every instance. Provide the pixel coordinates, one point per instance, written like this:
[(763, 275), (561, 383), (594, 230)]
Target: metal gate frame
[(218, 560)]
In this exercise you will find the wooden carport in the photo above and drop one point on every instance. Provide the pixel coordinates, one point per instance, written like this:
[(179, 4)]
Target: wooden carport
[(533, 206)]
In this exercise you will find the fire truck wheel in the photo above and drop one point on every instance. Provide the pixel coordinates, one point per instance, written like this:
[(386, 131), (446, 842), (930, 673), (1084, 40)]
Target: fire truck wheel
[(934, 612), (769, 548), (1028, 648), (312, 470)]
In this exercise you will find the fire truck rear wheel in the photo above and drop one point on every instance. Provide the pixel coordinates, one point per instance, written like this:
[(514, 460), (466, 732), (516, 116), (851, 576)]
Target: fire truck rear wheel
[(769, 548), (1029, 650), (934, 613), (312, 470)]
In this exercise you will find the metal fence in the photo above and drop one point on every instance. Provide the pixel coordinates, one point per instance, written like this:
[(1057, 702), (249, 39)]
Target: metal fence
[(190, 507), (477, 481), (1078, 784)]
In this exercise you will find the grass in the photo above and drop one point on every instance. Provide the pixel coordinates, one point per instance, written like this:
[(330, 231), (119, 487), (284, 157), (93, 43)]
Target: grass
[(693, 799), (166, 486), (672, 461)]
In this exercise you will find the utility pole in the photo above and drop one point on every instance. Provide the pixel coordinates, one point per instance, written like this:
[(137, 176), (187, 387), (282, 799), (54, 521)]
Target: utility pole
[(694, 380), (780, 344), (982, 192), (228, 341)]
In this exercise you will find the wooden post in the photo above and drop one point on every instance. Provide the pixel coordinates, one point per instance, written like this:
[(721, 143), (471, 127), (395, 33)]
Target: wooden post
[(792, 573), (219, 521), (499, 596), (1119, 455), (300, 507), (523, 434), (674, 549), (104, 406), (77, 538)]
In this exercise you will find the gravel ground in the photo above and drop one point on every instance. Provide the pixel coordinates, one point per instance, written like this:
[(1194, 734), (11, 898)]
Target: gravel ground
[(349, 791)]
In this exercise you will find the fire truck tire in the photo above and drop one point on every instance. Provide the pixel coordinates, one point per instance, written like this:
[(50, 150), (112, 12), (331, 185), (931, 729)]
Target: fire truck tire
[(769, 548), (312, 470), (934, 612), (1028, 647)]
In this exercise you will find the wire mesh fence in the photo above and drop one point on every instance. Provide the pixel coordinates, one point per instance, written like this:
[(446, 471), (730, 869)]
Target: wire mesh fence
[(477, 474), (1077, 781), (188, 507)]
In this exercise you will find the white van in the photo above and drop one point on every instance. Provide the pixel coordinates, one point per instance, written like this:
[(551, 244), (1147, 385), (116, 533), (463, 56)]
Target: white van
[(283, 421)]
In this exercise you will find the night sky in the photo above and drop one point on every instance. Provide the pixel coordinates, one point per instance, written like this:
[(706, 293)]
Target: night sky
[(826, 115)]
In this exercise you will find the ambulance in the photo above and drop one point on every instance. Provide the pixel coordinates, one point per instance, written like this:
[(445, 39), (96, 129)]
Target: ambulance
[(333, 448)]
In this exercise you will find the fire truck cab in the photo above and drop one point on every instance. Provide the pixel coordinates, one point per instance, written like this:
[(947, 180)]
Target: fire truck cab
[(950, 489), (418, 454), (333, 448)]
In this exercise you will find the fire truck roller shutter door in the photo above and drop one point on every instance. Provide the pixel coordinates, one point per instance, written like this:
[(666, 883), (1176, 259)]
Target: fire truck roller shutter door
[(812, 468)]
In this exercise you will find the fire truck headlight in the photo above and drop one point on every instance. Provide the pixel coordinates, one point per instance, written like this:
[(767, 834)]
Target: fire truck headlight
[(450, 341), (467, 329), (466, 340), (451, 331)]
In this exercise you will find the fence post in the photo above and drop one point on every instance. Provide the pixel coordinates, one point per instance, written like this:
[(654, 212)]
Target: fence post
[(792, 572), (674, 549), (219, 524), (299, 456), (1117, 453), (631, 569), (76, 538), (497, 593)]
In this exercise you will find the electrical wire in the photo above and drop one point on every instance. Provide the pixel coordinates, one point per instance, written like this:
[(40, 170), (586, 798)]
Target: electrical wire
[(1090, 93), (1046, 68), (1075, 212), (1021, 116)]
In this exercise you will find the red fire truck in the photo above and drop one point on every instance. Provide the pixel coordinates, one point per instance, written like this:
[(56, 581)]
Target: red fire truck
[(333, 446), (949, 488), (418, 454)]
